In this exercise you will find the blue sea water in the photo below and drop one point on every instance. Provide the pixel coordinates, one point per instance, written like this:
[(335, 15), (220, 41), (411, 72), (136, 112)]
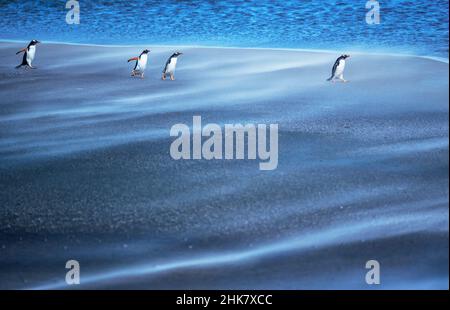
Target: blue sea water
[(413, 27)]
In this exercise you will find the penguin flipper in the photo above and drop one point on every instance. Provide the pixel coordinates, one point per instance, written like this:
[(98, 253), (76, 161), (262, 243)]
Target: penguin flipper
[(21, 51), (167, 64), (134, 58), (333, 71)]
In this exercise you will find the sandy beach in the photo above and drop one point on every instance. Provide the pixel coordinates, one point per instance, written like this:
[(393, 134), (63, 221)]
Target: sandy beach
[(86, 172)]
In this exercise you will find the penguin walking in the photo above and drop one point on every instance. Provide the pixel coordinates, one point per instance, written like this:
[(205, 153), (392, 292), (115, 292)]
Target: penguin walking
[(170, 66), (338, 69), (141, 64), (29, 54)]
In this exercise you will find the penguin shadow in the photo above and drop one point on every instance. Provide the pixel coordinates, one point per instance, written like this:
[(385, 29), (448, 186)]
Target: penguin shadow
[(137, 74), (26, 73), (25, 68), (336, 82)]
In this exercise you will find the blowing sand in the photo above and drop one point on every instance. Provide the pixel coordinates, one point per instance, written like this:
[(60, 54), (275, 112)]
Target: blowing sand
[(86, 172)]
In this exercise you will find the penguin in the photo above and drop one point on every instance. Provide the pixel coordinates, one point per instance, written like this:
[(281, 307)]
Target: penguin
[(29, 54), (170, 66), (338, 69), (141, 64)]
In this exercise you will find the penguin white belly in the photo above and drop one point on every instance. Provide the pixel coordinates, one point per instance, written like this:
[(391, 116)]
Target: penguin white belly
[(142, 63), (340, 69), (172, 65), (30, 54)]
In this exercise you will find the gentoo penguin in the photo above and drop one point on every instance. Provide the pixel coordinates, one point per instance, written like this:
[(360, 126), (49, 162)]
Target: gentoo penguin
[(28, 56), (170, 66), (338, 69), (141, 64)]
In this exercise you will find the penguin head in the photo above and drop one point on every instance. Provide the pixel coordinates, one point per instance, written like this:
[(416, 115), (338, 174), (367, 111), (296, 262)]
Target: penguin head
[(145, 51), (176, 54), (34, 42), (345, 56)]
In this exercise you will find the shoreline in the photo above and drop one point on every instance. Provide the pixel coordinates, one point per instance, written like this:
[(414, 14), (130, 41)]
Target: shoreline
[(334, 52)]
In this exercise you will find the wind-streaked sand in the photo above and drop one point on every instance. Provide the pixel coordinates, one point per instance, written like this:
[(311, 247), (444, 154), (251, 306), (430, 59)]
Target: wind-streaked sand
[(86, 172)]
